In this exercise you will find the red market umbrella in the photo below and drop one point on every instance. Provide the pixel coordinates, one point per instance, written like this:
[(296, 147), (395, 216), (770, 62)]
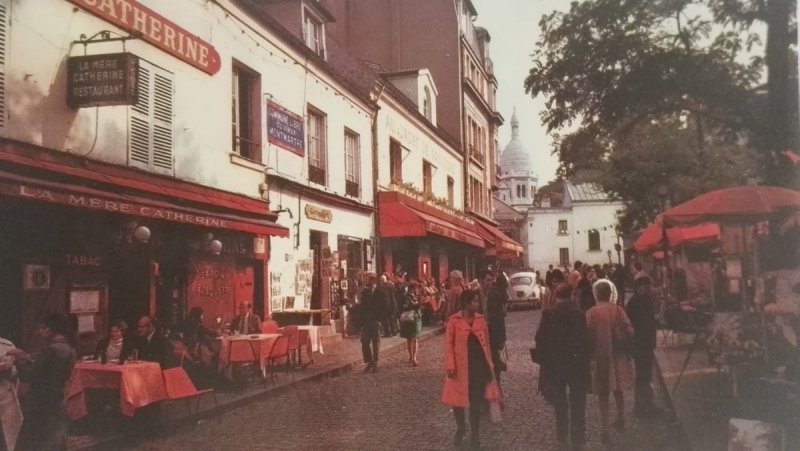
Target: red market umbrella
[(738, 204), (652, 237)]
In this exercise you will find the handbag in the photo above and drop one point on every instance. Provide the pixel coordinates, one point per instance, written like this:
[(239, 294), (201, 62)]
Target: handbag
[(621, 340), (409, 316), (502, 360), (535, 357)]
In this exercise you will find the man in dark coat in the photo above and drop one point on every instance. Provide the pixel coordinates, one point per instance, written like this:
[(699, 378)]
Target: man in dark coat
[(374, 303), (564, 352), (389, 322), (642, 312), (149, 345)]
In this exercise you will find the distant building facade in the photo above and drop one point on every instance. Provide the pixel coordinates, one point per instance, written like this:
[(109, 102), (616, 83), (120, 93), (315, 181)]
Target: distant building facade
[(582, 227)]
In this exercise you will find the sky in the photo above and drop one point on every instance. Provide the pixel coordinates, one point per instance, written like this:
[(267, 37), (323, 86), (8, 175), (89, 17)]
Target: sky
[(514, 27)]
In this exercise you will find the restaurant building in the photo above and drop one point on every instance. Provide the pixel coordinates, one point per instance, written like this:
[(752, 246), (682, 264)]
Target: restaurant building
[(128, 183)]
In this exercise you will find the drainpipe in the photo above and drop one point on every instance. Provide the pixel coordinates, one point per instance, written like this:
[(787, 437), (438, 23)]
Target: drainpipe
[(377, 250)]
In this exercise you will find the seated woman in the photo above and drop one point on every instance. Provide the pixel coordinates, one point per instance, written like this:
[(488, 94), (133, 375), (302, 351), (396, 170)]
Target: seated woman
[(109, 349)]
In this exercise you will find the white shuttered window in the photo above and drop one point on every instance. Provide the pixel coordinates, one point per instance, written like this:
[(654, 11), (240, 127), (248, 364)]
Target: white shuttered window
[(150, 140)]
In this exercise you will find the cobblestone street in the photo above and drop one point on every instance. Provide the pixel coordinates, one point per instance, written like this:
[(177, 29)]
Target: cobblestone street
[(399, 409)]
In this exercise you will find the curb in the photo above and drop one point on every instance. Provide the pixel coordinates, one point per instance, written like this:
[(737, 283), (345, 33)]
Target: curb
[(671, 406), (130, 438)]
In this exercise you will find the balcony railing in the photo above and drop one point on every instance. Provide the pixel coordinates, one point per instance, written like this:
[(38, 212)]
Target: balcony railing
[(351, 188), (316, 175), (479, 157)]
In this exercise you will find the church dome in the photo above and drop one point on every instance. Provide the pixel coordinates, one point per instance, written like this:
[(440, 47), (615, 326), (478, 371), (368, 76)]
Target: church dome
[(516, 160)]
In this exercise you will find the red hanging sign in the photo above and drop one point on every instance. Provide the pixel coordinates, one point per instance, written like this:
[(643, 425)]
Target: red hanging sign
[(155, 29)]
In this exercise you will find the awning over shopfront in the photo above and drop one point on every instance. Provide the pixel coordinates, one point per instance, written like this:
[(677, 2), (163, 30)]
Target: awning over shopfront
[(499, 242), (99, 186), (400, 220)]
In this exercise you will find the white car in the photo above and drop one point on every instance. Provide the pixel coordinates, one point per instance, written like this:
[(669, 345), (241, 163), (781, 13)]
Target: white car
[(523, 291)]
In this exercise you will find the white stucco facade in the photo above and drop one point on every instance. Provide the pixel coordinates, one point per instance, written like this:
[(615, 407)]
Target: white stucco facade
[(548, 240)]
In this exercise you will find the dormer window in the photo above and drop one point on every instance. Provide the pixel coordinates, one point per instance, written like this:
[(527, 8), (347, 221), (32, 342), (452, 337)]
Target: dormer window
[(313, 33), (427, 108)]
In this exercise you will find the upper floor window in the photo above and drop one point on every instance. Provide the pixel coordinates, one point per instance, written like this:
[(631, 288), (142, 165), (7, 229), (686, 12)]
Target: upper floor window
[(395, 162), (150, 122), (427, 104), (313, 33), (594, 240), (317, 152), (352, 173), (562, 227), (451, 190), (246, 112), (427, 177)]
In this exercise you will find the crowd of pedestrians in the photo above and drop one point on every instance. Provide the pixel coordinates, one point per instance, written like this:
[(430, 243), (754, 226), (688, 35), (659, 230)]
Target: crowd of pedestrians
[(588, 343)]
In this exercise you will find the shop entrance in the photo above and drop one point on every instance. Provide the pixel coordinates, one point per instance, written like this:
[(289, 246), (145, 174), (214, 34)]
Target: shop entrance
[(131, 290), (318, 241)]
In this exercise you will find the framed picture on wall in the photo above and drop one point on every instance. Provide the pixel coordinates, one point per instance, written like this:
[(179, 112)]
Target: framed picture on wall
[(36, 277)]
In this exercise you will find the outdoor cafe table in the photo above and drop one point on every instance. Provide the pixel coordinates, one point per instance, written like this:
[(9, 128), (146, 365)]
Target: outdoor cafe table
[(139, 384), (251, 348)]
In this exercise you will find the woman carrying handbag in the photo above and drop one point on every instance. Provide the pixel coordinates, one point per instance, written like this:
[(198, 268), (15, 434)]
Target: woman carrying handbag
[(411, 321), (609, 330)]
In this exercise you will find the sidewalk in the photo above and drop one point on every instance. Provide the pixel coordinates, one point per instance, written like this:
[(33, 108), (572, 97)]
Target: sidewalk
[(339, 358), (702, 401)]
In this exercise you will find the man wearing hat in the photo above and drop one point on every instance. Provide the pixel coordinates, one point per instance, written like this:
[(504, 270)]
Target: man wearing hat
[(642, 312)]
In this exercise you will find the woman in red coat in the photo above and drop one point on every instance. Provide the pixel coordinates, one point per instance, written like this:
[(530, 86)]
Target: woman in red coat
[(468, 362)]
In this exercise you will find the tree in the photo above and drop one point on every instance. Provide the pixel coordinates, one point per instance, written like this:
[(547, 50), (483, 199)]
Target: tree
[(607, 67)]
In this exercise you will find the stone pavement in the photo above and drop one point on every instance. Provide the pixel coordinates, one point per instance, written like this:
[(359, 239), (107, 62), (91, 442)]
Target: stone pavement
[(398, 409)]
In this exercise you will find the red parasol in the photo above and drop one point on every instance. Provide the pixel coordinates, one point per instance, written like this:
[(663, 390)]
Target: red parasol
[(652, 237), (739, 204)]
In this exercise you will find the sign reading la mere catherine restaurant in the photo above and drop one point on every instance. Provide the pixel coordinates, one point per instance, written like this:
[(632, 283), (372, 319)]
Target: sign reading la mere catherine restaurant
[(100, 80)]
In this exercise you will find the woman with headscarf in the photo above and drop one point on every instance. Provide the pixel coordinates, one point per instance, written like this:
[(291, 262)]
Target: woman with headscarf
[(612, 370), (468, 363)]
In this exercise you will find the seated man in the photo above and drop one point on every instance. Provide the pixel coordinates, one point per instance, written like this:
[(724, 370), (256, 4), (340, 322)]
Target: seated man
[(149, 345), (246, 322)]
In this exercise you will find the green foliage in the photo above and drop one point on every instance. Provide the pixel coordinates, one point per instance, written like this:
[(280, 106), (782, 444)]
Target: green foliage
[(659, 93)]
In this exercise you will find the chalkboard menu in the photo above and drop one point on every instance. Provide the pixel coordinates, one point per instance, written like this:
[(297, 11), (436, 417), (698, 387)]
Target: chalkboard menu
[(102, 80)]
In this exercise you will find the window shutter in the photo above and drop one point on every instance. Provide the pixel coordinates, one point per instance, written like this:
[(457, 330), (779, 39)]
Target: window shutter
[(150, 137), (4, 19)]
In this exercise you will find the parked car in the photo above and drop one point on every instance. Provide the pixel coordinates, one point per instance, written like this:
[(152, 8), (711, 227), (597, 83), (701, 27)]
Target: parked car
[(523, 291)]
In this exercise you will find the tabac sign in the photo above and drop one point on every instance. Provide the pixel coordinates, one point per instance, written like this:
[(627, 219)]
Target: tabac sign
[(101, 80), (155, 29)]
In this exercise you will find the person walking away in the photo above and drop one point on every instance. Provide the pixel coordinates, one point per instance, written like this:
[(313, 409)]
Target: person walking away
[(583, 291), (388, 324), (373, 308), (496, 308), (575, 276), (10, 411), (556, 279), (642, 313), (562, 342), (486, 279), (611, 367), (468, 364), (618, 279), (47, 372), (453, 293), (411, 321)]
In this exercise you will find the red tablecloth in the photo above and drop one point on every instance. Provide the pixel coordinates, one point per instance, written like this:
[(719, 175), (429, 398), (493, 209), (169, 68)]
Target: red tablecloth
[(139, 384), (246, 349)]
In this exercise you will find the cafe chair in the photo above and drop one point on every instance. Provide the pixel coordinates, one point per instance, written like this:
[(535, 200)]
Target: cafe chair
[(269, 326), (180, 387), (294, 341), (280, 351)]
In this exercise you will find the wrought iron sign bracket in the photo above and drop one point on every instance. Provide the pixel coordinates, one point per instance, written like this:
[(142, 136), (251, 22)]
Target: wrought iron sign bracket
[(104, 36)]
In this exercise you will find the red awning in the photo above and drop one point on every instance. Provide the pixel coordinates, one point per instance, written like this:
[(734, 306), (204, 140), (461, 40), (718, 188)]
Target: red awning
[(398, 220), (498, 240), (45, 176), (87, 171), (652, 236)]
